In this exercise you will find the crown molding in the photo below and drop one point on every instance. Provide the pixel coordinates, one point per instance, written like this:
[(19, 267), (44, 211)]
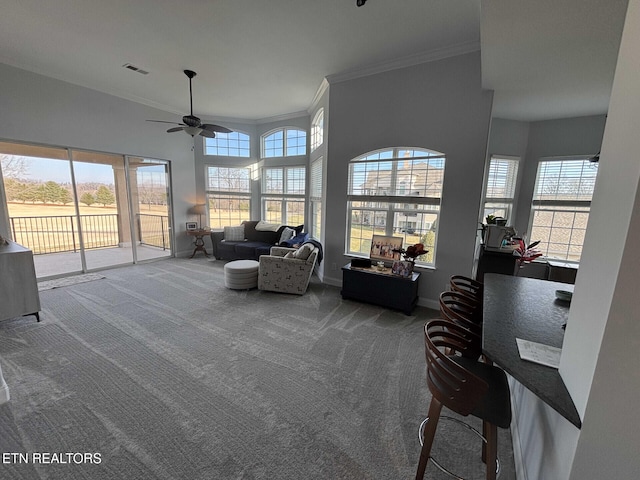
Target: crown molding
[(408, 61), (280, 118), (324, 86)]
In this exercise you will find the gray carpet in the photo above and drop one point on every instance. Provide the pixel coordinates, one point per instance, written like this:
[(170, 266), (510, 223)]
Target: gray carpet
[(166, 374), (68, 281)]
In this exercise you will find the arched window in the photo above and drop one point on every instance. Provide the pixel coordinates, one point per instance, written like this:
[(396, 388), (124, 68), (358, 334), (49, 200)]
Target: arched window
[(317, 129), (284, 142), (395, 192), (234, 144)]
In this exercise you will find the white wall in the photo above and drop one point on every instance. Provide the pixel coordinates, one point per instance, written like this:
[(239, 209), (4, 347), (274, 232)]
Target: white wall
[(38, 109), (544, 441), (438, 105), (599, 363), (600, 354)]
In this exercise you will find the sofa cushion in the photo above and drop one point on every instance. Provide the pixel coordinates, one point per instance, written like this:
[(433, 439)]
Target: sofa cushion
[(264, 236), (267, 227), (287, 234), (264, 250), (234, 234), (248, 249), (226, 250)]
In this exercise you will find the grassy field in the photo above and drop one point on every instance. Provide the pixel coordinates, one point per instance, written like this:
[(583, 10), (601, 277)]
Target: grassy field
[(18, 209), (50, 228)]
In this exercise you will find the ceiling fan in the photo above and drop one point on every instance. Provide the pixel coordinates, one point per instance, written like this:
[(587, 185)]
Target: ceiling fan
[(192, 124)]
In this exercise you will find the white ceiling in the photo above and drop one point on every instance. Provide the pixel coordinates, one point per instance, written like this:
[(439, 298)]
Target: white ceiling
[(550, 58), (259, 59)]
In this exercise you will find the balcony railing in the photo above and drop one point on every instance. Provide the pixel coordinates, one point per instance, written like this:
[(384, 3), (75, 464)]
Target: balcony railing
[(57, 234), (154, 230)]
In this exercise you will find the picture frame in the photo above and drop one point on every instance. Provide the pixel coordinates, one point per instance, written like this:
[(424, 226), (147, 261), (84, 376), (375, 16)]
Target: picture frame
[(383, 246), (402, 268), (192, 226)]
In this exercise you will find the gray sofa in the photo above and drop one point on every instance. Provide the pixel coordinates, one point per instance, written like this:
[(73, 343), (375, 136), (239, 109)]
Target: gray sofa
[(255, 243)]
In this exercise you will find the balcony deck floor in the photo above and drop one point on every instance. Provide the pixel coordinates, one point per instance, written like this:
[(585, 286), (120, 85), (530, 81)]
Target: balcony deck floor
[(59, 264)]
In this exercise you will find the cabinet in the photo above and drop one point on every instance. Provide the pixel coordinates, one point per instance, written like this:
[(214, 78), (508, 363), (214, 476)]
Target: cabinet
[(495, 261), (18, 285), (381, 288)]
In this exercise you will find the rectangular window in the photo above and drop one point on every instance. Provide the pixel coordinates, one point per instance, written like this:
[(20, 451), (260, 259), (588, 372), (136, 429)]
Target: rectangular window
[(561, 205), (234, 144), (315, 198), (283, 195), (228, 195), (397, 193), (500, 187)]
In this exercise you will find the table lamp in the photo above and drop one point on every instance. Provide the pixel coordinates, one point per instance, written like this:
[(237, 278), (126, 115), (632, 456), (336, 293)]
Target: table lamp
[(199, 210)]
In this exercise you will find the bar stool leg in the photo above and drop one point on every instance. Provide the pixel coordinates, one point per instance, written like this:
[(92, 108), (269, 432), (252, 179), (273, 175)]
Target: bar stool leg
[(484, 444), (492, 450), (429, 433)]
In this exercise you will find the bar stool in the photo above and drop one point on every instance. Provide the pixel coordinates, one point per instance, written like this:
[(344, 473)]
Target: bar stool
[(465, 386), (469, 287), (457, 307)]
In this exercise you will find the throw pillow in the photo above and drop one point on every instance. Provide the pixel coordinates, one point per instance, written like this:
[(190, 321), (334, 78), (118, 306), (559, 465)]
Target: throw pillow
[(303, 252), (234, 234), (287, 234), (267, 227)]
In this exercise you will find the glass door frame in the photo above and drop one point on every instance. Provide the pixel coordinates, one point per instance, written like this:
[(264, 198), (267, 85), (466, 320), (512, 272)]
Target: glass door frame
[(5, 218)]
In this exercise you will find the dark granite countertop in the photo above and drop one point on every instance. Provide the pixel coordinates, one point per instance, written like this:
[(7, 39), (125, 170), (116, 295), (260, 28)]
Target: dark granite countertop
[(527, 308)]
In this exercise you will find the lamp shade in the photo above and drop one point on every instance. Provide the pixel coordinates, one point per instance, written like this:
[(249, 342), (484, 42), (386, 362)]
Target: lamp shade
[(199, 209)]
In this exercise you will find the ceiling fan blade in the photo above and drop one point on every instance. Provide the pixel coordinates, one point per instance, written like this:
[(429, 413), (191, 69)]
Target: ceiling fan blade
[(162, 121), (175, 129), (207, 133), (215, 128)]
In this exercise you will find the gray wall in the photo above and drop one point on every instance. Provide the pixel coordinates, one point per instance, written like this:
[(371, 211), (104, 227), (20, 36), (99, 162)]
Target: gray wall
[(555, 138), (42, 110), (438, 105)]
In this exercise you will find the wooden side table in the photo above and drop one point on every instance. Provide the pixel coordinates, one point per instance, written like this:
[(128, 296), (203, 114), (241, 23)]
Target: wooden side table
[(199, 240)]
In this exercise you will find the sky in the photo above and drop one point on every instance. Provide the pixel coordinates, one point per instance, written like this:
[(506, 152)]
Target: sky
[(46, 169)]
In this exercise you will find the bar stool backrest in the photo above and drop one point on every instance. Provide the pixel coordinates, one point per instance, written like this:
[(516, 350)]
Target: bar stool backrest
[(467, 286), (453, 385)]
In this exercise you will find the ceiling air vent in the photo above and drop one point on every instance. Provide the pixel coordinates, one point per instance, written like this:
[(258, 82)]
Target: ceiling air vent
[(135, 69)]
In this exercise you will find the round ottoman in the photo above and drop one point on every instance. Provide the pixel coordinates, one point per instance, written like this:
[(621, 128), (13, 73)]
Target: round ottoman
[(241, 274)]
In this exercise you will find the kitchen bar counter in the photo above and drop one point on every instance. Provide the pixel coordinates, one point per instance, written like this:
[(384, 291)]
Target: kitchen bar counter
[(527, 308)]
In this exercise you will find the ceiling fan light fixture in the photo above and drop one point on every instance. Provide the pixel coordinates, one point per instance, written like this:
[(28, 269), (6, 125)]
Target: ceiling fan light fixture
[(193, 131), (192, 124)]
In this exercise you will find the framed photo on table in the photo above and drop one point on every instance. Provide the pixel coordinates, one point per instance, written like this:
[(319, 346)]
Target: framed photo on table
[(385, 248), (403, 268), (192, 226)]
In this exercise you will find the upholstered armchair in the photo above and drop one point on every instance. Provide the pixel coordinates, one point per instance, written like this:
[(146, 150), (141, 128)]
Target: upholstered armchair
[(287, 270)]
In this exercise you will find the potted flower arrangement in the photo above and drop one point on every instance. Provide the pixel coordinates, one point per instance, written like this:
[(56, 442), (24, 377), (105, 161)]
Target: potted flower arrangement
[(526, 253), (405, 268)]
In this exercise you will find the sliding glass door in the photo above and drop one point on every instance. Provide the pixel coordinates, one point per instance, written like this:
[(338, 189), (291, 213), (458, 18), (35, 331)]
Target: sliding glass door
[(39, 192), (150, 203), (80, 211)]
